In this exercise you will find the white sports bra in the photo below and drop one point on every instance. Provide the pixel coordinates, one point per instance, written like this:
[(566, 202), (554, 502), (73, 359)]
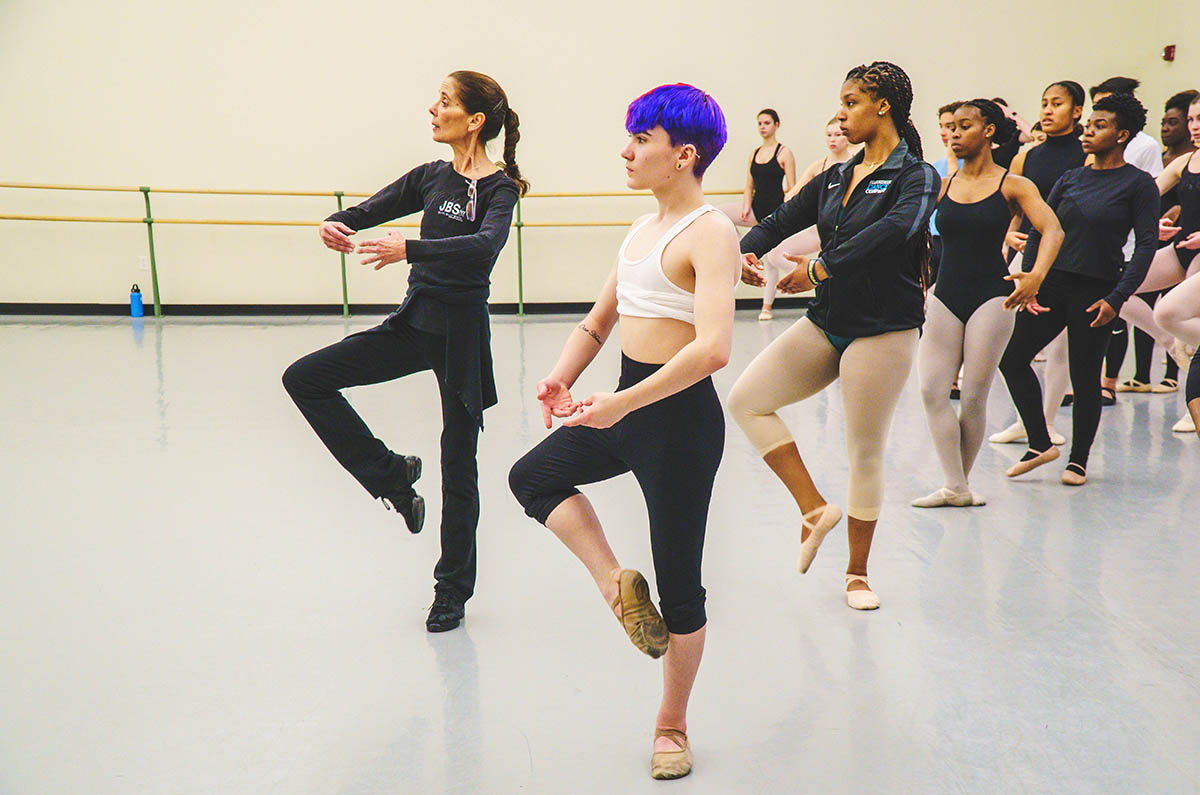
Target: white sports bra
[(643, 290)]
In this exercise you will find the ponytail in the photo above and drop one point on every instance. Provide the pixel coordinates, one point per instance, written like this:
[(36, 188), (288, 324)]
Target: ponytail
[(481, 94), (512, 134)]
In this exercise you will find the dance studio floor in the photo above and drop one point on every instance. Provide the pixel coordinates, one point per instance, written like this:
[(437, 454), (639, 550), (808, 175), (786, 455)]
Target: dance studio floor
[(195, 598)]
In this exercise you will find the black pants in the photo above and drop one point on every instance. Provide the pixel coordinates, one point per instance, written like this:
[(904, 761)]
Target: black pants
[(1068, 296), (1191, 390), (673, 448), (381, 354)]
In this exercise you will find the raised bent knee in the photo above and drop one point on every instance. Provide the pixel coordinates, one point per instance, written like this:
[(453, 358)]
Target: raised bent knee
[(1168, 315)]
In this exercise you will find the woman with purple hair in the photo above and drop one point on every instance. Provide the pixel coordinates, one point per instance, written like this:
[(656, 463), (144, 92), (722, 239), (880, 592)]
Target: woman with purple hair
[(672, 289)]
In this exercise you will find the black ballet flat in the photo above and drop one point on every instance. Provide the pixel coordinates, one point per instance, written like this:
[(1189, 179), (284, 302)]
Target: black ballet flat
[(1107, 397), (1068, 399)]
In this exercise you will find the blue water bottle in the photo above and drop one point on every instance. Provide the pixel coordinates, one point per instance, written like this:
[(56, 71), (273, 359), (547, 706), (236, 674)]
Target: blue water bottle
[(135, 302)]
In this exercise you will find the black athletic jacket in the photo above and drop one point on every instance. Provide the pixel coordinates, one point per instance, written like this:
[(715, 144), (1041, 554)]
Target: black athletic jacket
[(869, 246)]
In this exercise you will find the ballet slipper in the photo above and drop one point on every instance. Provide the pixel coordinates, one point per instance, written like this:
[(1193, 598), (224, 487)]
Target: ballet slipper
[(944, 497), (1133, 385), (1071, 476), (1011, 435), (827, 516), (978, 499), (1185, 425), (1182, 353), (765, 315), (1164, 386), (1021, 467), (639, 617), (860, 599), (671, 764), (1056, 438)]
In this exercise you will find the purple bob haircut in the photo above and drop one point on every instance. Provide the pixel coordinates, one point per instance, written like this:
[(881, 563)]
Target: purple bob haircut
[(689, 116)]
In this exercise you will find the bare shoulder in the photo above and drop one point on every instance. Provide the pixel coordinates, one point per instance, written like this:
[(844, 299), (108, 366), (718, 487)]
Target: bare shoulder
[(1016, 186), (709, 233)]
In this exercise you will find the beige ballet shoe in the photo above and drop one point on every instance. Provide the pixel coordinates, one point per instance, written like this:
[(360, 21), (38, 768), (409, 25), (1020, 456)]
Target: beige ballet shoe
[(1056, 438), (1182, 353), (861, 600), (639, 617), (1072, 478), (944, 497), (827, 517), (978, 499), (1165, 386), (1021, 467), (765, 315), (1133, 385), (671, 764), (1011, 435), (1185, 425)]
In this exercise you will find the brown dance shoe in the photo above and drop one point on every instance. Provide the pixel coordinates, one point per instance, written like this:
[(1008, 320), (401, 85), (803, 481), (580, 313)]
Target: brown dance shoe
[(671, 764), (641, 620)]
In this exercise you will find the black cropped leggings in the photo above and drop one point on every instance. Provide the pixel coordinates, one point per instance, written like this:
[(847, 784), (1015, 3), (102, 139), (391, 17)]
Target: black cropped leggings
[(1068, 296), (673, 448)]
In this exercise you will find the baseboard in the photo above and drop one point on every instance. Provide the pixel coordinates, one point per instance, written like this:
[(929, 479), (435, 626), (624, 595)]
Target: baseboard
[(218, 310)]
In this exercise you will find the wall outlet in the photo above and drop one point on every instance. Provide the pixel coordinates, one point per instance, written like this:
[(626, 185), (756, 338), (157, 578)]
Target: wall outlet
[(143, 263)]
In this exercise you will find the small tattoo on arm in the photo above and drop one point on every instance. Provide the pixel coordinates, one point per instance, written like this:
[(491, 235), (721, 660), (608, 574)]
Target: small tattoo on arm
[(592, 334)]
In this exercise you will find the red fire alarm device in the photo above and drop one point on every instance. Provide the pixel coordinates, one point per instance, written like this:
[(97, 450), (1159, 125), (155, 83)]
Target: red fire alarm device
[(1169, 52)]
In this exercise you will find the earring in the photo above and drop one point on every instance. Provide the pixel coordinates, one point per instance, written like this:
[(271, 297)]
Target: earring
[(881, 113), (679, 166)]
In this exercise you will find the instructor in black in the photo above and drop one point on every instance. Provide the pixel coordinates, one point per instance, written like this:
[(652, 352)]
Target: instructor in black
[(442, 326)]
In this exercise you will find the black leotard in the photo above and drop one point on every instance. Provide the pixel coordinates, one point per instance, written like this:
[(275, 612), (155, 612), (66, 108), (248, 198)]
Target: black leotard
[(1189, 210), (768, 184), (972, 270)]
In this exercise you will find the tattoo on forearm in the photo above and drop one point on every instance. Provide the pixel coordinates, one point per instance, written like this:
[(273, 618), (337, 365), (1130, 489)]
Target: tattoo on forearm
[(591, 333)]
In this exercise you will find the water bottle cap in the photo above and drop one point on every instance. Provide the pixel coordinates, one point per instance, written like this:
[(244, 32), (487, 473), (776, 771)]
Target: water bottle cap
[(134, 289)]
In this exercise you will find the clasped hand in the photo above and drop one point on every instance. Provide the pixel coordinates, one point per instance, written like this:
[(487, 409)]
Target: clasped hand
[(601, 410), (381, 251)]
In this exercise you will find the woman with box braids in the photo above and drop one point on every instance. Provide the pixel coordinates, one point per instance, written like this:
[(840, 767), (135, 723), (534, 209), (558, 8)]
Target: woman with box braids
[(872, 215)]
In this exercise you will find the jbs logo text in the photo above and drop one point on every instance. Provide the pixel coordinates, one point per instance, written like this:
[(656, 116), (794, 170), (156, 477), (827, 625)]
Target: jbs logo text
[(878, 185), (452, 209)]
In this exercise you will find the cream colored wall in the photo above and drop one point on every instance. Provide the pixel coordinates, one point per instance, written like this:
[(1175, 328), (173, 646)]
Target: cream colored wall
[(300, 96)]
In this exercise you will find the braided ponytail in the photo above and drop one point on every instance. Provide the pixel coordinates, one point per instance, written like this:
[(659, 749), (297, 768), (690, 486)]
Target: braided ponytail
[(512, 134), (993, 114), (886, 80), (481, 94)]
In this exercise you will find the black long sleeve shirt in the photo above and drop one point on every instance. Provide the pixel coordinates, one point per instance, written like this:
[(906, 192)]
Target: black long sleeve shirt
[(454, 251), (869, 245), (1097, 208), (451, 264)]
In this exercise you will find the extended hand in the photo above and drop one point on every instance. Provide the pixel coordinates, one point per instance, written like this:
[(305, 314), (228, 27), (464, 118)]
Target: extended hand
[(797, 281), (1104, 313), (335, 236), (1024, 291), (384, 250), (555, 399), (752, 270), (601, 410)]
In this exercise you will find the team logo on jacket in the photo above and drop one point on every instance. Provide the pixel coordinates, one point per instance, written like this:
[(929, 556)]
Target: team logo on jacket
[(453, 210), (878, 185)]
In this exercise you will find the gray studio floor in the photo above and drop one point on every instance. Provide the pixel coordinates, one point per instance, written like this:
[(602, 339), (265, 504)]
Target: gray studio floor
[(194, 598)]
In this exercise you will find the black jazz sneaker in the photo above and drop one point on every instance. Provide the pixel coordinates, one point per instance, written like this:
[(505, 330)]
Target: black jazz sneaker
[(445, 613), (404, 500)]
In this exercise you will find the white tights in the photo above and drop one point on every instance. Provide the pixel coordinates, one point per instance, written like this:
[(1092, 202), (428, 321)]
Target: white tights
[(977, 347), (775, 265), (800, 363), (1165, 271)]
